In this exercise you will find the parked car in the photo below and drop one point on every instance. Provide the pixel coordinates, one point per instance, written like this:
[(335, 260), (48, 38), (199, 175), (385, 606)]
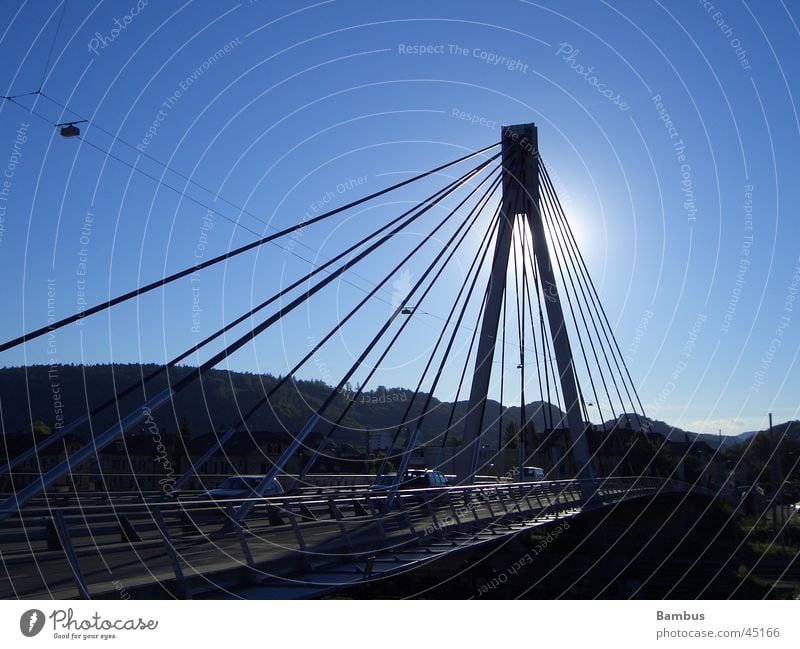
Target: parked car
[(413, 479), (242, 486), (531, 474)]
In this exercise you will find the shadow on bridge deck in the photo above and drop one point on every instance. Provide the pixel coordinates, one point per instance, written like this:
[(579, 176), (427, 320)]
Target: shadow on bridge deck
[(291, 547)]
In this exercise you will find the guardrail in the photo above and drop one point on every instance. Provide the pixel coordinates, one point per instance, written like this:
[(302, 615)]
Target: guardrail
[(92, 548)]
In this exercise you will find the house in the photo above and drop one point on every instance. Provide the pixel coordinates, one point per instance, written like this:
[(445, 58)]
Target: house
[(148, 460)]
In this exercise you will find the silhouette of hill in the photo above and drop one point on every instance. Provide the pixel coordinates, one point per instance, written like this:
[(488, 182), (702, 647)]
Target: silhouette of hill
[(675, 434), (790, 428), (655, 425), (44, 393), (60, 393)]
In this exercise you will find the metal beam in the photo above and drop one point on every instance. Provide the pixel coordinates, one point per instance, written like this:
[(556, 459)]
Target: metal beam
[(467, 459), (401, 470)]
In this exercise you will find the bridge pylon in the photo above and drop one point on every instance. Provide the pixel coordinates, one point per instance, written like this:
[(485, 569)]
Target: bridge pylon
[(520, 156)]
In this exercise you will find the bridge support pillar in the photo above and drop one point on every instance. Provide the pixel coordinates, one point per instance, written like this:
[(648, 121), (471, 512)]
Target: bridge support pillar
[(467, 458), (521, 196)]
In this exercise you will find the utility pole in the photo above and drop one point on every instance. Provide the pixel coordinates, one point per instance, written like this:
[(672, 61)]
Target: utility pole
[(774, 478)]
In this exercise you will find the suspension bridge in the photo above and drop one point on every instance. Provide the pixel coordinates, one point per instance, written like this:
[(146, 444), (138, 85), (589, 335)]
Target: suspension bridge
[(530, 311)]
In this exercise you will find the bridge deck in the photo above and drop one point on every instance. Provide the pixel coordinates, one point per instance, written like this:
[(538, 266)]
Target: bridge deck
[(299, 546)]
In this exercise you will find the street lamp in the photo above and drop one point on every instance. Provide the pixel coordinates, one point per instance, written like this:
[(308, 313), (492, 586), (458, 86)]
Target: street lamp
[(593, 405), (68, 129)]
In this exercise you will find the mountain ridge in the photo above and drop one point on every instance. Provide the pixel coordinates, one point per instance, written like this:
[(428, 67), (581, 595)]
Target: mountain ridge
[(39, 392)]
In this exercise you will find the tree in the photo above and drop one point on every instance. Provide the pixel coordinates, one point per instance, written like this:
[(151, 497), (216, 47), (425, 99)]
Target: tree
[(375, 463), (645, 457), (185, 428), (39, 428), (511, 437), (531, 437), (184, 436), (453, 441)]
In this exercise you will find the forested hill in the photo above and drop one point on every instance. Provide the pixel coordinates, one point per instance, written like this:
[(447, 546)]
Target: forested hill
[(48, 394)]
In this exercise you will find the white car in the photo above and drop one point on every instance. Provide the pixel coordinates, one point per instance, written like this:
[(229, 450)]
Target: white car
[(531, 474), (242, 486)]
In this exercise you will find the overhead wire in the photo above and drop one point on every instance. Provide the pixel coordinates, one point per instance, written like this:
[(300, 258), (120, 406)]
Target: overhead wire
[(107, 437), (69, 428), (217, 197), (52, 46), (219, 258), (182, 194)]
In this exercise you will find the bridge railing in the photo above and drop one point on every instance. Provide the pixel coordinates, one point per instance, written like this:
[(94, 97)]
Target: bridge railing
[(89, 549)]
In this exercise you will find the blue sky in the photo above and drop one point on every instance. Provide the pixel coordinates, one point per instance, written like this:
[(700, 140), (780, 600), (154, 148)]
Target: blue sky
[(671, 127)]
